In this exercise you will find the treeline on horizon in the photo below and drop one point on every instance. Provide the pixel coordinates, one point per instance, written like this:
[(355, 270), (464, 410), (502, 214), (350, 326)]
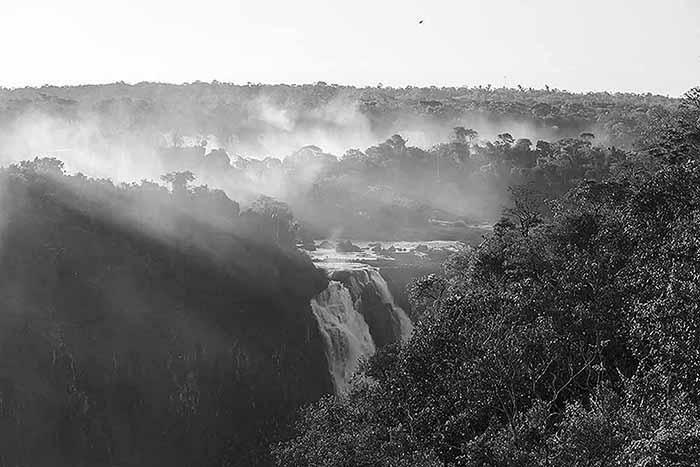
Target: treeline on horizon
[(232, 112)]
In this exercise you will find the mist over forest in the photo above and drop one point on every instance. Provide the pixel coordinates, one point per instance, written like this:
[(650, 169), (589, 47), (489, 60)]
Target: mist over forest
[(210, 274), (337, 154)]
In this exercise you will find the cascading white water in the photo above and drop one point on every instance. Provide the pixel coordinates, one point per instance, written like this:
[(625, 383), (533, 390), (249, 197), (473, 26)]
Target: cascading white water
[(356, 314), (344, 331)]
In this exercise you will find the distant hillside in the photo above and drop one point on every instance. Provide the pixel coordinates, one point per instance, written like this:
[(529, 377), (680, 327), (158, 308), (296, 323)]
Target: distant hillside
[(275, 120)]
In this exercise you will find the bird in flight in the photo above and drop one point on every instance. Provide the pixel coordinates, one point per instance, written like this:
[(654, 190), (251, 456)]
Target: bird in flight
[(420, 22)]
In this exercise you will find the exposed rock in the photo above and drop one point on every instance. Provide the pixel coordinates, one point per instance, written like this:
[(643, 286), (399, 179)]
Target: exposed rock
[(308, 245), (387, 322), (346, 246)]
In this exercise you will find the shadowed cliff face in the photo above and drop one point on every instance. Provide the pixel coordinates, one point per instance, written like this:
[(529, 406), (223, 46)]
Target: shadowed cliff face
[(123, 343), (387, 322), (356, 315)]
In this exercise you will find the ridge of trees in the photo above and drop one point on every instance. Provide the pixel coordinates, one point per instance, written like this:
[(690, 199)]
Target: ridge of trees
[(227, 110)]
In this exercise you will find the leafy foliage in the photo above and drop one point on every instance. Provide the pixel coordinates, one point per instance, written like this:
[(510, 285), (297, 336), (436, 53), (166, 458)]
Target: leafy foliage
[(568, 337)]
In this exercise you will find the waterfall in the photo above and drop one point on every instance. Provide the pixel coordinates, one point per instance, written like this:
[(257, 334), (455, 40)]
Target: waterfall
[(344, 331), (356, 314)]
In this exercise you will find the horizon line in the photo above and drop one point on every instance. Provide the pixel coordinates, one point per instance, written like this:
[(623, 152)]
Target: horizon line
[(378, 86)]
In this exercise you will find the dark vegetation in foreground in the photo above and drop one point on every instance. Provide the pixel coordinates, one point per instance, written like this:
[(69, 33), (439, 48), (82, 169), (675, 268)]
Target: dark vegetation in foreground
[(569, 337), (141, 326)]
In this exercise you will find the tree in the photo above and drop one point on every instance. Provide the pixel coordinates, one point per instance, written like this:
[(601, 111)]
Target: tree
[(276, 221), (462, 135), (44, 165), (397, 143), (523, 144), (543, 147), (527, 208), (505, 139), (179, 181)]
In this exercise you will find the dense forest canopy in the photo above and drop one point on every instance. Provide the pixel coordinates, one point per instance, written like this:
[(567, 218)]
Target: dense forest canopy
[(568, 337), (264, 120)]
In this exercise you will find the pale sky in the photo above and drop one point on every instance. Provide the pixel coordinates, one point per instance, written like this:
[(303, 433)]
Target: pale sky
[(615, 45)]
